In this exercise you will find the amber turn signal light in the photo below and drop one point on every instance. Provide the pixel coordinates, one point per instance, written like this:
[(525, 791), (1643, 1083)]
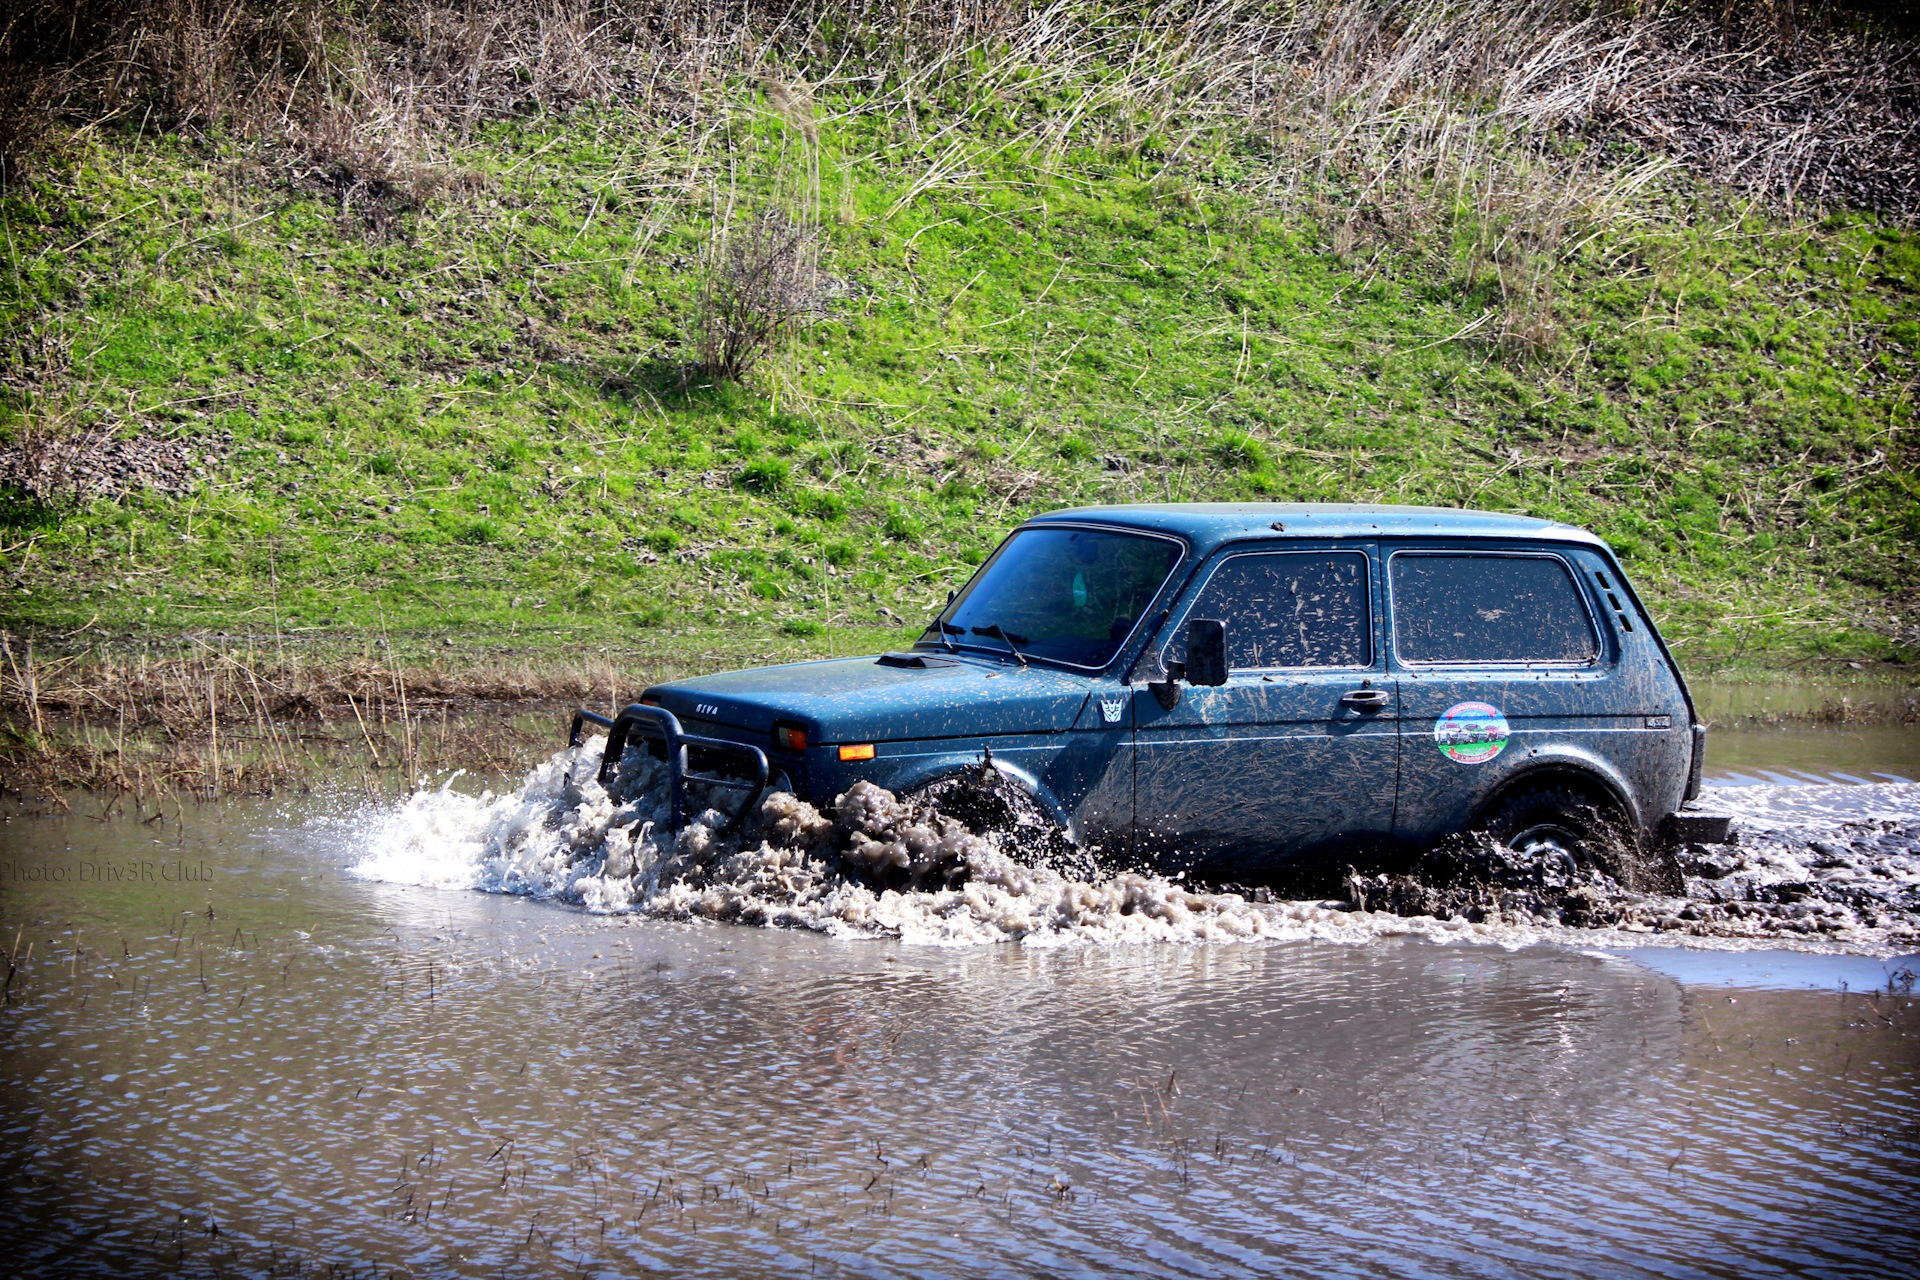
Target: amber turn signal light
[(788, 738), (862, 752)]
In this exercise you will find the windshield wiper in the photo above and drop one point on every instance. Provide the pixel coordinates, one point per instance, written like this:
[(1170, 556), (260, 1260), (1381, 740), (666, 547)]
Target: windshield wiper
[(1012, 642), (945, 630)]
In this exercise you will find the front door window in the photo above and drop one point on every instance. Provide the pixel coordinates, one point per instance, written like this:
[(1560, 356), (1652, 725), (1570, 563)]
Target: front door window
[(1288, 611)]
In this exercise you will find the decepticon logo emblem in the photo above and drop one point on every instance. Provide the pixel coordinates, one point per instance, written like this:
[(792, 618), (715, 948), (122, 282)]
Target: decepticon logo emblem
[(1111, 709)]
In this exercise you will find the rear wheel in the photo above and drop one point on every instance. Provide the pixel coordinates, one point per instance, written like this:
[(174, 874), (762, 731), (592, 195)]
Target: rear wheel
[(1567, 826)]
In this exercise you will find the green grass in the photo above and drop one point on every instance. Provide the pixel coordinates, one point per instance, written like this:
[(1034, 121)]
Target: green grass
[(476, 422)]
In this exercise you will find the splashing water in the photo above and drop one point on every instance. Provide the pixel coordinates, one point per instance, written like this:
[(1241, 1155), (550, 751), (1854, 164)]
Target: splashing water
[(881, 866), (878, 867)]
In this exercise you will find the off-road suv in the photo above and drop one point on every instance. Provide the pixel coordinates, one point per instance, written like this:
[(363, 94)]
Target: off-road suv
[(1230, 689)]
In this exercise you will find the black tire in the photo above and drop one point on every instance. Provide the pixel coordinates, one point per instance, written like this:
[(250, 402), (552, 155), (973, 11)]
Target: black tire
[(984, 800), (1579, 827)]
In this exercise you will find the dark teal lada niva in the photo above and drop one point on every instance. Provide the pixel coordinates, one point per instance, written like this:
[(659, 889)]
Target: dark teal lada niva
[(1230, 689)]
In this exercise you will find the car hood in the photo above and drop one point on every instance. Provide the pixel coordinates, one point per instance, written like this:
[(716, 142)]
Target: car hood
[(867, 700)]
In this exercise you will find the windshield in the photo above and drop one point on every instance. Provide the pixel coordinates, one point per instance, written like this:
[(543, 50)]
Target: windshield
[(1062, 595)]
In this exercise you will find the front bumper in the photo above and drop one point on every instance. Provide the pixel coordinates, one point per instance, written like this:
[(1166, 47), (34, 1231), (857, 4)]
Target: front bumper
[(657, 723)]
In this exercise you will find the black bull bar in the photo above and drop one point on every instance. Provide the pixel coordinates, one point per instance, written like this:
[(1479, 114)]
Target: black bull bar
[(657, 723)]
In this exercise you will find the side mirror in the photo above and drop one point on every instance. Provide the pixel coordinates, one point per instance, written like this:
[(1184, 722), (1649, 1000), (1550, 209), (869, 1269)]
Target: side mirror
[(1206, 651)]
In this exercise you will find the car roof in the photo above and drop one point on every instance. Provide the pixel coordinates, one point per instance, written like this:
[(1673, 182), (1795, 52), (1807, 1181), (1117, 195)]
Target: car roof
[(1207, 524)]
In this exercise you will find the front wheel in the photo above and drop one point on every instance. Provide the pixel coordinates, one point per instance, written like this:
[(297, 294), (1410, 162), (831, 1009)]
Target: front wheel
[(986, 801)]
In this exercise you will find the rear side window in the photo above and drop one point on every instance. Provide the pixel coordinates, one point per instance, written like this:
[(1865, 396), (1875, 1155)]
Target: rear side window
[(1288, 609), (1488, 608)]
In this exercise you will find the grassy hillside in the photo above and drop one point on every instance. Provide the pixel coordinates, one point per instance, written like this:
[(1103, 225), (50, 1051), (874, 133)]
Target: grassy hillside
[(469, 408)]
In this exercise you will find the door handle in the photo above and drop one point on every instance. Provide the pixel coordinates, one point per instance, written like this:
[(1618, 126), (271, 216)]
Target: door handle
[(1364, 699)]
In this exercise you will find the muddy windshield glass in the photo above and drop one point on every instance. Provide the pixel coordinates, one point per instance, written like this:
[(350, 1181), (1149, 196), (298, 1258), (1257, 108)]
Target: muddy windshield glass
[(1061, 595)]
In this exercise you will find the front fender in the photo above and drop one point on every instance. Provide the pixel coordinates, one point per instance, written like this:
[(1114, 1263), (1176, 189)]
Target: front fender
[(914, 772), (1043, 796)]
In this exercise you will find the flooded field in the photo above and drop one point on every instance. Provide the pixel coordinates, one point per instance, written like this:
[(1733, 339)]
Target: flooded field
[(1779, 733), (268, 1040)]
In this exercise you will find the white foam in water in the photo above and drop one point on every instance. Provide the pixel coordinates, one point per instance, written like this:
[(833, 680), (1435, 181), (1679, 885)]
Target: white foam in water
[(563, 837)]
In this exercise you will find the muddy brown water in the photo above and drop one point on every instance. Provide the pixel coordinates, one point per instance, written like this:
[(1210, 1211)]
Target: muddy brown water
[(222, 1055)]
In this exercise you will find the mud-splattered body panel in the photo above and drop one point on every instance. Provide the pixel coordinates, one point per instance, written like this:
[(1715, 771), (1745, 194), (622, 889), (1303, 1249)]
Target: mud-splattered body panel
[(1620, 716), (1278, 761)]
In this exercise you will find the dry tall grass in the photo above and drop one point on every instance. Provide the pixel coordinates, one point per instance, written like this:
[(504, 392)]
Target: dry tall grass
[(1458, 128), (1376, 91), (206, 717)]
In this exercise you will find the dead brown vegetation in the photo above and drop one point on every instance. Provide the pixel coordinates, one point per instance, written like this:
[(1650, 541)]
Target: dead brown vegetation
[(53, 459), (1487, 136), (206, 717), (1781, 98)]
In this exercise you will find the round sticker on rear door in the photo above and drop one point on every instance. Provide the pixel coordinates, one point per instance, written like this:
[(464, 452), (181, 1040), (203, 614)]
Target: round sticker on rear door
[(1471, 732)]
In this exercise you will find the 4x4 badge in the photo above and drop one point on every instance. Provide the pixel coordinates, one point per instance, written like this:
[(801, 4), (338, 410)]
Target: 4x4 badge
[(1111, 709)]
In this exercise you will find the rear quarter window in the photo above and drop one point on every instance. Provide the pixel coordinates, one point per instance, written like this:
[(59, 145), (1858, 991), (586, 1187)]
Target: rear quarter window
[(1488, 608)]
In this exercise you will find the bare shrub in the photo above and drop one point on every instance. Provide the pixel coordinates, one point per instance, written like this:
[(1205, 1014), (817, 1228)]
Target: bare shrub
[(760, 278)]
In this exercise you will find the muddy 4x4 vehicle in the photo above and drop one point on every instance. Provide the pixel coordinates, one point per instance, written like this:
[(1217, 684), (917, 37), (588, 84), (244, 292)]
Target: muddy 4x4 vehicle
[(1234, 689)]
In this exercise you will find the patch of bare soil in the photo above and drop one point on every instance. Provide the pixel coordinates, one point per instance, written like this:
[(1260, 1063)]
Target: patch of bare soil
[(53, 465)]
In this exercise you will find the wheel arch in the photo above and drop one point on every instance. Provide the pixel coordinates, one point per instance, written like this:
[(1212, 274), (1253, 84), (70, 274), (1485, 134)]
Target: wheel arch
[(1587, 775), (927, 773)]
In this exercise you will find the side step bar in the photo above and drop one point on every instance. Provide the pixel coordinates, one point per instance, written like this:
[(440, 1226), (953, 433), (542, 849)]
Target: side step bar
[(658, 722)]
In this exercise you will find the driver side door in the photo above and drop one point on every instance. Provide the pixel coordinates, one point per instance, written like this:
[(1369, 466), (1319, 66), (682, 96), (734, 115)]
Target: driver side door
[(1299, 750)]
